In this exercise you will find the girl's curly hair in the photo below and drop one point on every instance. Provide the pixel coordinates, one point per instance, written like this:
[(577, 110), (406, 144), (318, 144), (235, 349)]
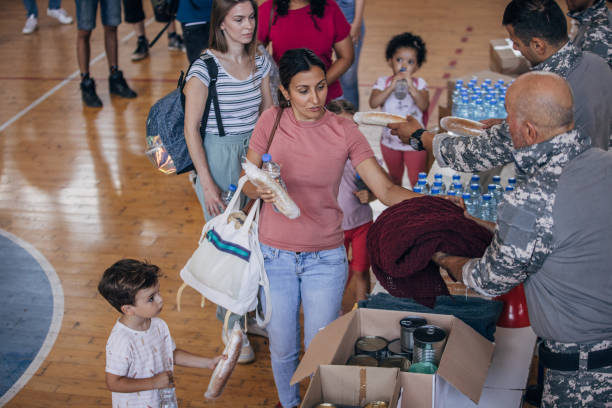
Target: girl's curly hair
[(407, 40)]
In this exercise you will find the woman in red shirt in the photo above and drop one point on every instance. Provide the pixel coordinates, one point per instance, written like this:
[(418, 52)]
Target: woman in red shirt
[(318, 25), (305, 257)]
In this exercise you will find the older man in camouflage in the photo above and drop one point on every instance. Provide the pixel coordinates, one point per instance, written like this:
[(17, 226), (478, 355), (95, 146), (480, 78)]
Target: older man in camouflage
[(594, 27), (554, 233)]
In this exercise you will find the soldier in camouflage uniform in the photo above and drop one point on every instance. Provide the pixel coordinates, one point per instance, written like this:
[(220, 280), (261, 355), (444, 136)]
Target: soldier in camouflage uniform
[(594, 27), (553, 234)]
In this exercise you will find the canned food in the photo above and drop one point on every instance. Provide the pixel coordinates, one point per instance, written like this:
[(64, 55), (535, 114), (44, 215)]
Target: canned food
[(408, 325), (377, 404), (394, 349), (362, 360), (395, 361), (374, 346), (429, 342)]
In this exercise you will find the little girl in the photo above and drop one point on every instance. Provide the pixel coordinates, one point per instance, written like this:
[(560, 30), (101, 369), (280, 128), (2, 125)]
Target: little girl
[(405, 54)]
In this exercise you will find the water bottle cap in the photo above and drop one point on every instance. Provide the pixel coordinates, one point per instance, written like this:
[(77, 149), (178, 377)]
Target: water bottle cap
[(232, 187), (438, 183), (437, 176), (500, 81), (474, 186), (511, 180), (452, 193), (479, 101), (509, 188), (435, 190), (456, 177), (492, 187), (357, 176), (488, 80), (496, 179), (422, 175), (421, 182), (460, 81), (266, 157), (465, 196), (486, 197), (402, 69), (465, 99), (457, 185), (417, 189), (475, 177)]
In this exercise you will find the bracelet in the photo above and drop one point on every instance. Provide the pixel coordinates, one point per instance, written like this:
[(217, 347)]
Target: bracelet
[(417, 133)]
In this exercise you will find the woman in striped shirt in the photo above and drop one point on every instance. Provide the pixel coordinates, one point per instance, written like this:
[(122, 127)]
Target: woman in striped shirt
[(243, 91)]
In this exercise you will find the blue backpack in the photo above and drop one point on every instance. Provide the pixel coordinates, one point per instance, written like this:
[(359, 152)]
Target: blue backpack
[(166, 145)]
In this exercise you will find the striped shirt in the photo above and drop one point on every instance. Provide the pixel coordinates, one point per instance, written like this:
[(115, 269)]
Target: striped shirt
[(139, 354), (239, 101)]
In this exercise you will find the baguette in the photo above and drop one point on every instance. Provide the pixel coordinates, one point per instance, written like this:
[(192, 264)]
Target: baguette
[(462, 127), (377, 118), (224, 368)]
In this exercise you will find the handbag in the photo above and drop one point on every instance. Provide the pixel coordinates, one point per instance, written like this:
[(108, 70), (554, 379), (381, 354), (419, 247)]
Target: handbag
[(228, 266), (166, 144)]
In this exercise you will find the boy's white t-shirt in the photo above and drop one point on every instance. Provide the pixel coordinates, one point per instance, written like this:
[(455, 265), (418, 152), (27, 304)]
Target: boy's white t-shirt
[(139, 354), (403, 107)]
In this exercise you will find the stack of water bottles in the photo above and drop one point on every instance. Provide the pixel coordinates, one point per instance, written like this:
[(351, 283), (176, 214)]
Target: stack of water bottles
[(480, 101), (479, 204)]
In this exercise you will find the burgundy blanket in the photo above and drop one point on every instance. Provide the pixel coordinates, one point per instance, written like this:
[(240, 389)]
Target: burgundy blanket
[(405, 236)]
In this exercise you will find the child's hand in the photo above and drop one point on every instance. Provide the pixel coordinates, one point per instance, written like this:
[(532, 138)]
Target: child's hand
[(363, 196), (215, 361), (401, 75), (164, 379)]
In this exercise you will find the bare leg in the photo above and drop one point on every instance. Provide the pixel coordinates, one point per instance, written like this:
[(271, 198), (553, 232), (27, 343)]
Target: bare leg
[(110, 45), (172, 27), (83, 50), (139, 28)]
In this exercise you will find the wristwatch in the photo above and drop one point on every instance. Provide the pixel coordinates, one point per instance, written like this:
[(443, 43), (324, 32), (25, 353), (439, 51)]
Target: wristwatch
[(415, 140)]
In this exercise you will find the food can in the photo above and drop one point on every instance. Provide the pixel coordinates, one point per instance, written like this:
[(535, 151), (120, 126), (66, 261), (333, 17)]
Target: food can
[(395, 361), (394, 349), (362, 360), (377, 404), (374, 346), (429, 342), (408, 325)]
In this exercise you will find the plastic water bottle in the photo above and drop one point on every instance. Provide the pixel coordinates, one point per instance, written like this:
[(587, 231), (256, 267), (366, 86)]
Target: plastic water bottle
[(452, 193), (509, 189), (422, 184), (491, 108), (456, 187), (401, 87), (471, 205), (417, 189), (226, 196), (425, 185), (487, 210), (512, 182), (463, 109), (456, 97), (456, 179), (438, 177), (439, 186), (273, 169), (501, 107), (359, 183), (479, 110), (475, 190), (499, 192), (167, 398), (491, 190), (435, 191), (475, 180)]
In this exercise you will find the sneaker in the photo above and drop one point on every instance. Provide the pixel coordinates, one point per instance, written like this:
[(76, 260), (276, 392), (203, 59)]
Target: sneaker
[(30, 24), (142, 50), (254, 329), (60, 15), (88, 93), (175, 42), (247, 354), (118, 86)]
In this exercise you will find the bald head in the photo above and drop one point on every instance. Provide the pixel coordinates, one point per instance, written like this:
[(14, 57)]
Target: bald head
[(543, 100)]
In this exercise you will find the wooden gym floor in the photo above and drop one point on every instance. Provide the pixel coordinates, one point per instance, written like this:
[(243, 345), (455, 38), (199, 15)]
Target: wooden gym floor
[(75, 185)]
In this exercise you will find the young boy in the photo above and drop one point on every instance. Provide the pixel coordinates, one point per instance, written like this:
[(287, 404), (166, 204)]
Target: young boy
[(140, 353)]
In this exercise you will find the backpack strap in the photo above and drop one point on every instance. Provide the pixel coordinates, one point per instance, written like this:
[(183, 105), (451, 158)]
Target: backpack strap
[(213, 72)]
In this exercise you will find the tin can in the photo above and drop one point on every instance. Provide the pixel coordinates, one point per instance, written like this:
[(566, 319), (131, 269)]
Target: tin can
[(377, 404), (374, 346), (394, 349), (429, 342), (395, 361), (362, 360), (408, 325)]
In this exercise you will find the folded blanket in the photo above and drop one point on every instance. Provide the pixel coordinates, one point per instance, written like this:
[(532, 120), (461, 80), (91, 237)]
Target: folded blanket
[(405, 236), (480, 314)]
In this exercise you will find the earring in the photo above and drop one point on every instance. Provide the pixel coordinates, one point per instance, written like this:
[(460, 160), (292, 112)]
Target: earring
[(288, 103)]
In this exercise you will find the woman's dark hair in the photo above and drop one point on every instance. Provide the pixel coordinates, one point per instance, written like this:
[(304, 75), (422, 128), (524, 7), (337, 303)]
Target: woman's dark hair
[(407, 40), (317, 9), (536, 18), (124, 279), (292, 63)]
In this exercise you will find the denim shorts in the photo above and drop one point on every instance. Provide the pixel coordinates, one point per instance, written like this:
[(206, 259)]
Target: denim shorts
[(110, 11)]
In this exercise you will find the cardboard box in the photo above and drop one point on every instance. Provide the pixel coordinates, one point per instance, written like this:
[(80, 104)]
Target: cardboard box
[(505, 59), (481, 75), (353, 386), (464, 364)]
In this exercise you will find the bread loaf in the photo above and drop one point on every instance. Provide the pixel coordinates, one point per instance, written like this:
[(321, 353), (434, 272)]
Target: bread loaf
[(224, 369), (377, 118)]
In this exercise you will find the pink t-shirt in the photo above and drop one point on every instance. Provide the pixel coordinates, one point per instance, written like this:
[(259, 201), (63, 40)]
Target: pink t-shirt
[(297, 30), (312, 157)]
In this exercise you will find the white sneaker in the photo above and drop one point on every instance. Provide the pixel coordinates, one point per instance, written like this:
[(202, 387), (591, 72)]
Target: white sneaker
[(60, 15), (30, 24), (247, 354)]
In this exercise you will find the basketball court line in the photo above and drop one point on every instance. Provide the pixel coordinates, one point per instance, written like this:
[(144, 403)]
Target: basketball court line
[(59, 86)]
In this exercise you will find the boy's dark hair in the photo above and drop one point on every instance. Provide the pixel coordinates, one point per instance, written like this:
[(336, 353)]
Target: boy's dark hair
[(407, 40), (292, 63), (536, 18), (124, 279), (339, 106)]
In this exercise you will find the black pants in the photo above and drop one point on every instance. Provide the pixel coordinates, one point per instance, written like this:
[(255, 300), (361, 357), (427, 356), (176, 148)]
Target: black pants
[(132, 11), (196, 39)]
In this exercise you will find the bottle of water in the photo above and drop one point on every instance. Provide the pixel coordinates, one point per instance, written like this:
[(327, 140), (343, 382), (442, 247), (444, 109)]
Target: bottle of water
[(167, 398), (435, 191), (273, 169), (452, 193), (226, 196), (471, 205), (475, 180), (488, 81), (456, 179), (359, 183), (501, 107), (456, 97), (499, 192), (487, 210), (463, 109), (439, 186), (442, 186), (509, 189), (491, 109), (456, 187), (401, 87), (475, 190), (479, 113), (425, 186), (512, 182), (417, 189), (492, 191)]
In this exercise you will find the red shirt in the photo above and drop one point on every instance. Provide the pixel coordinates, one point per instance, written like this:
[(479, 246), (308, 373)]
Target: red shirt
[(312, 157), (297, 30)]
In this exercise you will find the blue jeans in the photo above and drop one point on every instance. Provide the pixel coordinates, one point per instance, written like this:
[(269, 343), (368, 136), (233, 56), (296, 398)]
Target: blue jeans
[(349, 80), (110, 12), (32, 8), (316, 281)]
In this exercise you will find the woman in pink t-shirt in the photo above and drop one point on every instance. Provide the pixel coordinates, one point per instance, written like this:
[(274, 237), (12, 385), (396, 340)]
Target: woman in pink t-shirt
[(318, 25), (305, 258)]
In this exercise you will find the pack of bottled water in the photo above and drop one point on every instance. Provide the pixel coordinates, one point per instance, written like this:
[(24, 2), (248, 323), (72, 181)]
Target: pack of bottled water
[(480, 100)]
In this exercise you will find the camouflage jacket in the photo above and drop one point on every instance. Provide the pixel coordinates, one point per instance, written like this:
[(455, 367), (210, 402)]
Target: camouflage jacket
[(523, 237), (595, 30), (494, 146)]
